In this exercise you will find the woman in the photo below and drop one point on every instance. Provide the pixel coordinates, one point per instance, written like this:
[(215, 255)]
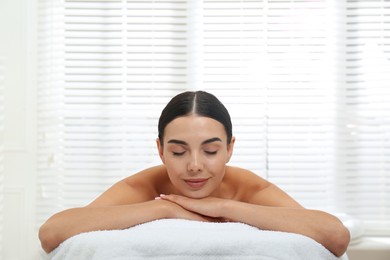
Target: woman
[(194, 143)]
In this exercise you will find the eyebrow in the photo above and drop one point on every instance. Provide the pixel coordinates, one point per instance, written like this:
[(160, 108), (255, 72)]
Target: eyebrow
[(211, 140)]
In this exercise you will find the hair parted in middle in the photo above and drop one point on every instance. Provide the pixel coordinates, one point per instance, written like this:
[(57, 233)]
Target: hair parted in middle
[(199, 103)]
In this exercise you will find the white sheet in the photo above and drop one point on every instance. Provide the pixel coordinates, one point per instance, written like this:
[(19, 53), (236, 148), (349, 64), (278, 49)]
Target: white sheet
[(183, 239)]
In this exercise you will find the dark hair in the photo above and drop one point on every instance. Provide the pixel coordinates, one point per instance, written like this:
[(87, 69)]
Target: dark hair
[(199, 103)]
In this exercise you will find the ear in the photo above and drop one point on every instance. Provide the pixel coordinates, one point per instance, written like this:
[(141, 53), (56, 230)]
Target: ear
[(160, 150), (230, 149)]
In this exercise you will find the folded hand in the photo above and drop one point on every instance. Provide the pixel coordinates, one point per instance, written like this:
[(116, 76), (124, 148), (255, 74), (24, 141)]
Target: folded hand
[(210, 207)]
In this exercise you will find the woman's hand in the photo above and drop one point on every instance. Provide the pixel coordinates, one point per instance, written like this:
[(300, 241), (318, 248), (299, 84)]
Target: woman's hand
[(210, 207), (175, 210)]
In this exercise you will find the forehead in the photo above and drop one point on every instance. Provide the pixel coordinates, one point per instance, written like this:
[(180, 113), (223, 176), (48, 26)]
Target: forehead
[(194, 126)]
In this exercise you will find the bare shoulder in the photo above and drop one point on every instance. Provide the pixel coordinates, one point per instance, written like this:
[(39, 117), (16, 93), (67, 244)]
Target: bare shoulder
[(244, 182), (139, 187), (246, 178), (257, 190), (147, 177)]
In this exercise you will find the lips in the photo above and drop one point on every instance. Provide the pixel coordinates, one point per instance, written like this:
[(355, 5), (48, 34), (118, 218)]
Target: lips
[(196, 183)]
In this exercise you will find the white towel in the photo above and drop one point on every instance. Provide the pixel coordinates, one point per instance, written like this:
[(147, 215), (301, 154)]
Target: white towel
[(183, 239)]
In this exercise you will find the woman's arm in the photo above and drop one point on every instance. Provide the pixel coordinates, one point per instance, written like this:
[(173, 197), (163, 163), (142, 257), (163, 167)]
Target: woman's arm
[(286, 216), (68, 223), (320, 226), (125, 204)]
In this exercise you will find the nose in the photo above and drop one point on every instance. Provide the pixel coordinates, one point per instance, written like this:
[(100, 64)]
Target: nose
[(195, 165)]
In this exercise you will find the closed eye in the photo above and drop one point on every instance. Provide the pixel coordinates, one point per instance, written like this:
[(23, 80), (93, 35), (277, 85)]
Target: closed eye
[(178, 154), (210, 152)]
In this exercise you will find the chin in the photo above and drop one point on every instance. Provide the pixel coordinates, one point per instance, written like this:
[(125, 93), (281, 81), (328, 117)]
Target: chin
[(199, 194)]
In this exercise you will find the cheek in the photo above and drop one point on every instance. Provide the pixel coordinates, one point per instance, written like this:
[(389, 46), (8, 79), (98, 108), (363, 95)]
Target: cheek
[(174, 167), (220, 159), (217, 164)]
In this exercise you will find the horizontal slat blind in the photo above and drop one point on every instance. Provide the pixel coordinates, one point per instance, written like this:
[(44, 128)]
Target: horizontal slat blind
[(232, 46), (119, 63), (50, 106), (366, 133), (268, 61), (301, 101), (305, 82)]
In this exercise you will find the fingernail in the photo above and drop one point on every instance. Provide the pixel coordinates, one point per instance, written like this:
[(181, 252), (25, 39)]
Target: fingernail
[(162, 195), (157, 198)]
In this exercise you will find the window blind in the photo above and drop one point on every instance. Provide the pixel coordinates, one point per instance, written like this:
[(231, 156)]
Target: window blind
[(365, 149), (111, 68), (309, 112), (269, 60), (231, 64)]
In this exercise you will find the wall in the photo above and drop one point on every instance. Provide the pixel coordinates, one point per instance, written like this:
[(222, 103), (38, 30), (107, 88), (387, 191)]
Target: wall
[(373, 248), (19, 50)]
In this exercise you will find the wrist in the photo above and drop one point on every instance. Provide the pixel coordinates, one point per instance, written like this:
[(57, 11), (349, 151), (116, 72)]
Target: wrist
[(164, 209), (229, 209), (225, 209)]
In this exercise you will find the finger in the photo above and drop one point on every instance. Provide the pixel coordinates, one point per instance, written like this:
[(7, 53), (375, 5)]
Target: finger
[(187, 203), (174, 198)]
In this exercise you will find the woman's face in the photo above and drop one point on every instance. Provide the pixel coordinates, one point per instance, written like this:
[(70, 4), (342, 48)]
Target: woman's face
[(195, 153)]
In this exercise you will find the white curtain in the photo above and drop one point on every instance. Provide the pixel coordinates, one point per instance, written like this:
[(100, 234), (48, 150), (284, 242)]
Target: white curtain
[(305, 82)]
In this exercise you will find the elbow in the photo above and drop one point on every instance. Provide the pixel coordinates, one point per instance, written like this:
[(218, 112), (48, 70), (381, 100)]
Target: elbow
[(340, 241), (47, 238)]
